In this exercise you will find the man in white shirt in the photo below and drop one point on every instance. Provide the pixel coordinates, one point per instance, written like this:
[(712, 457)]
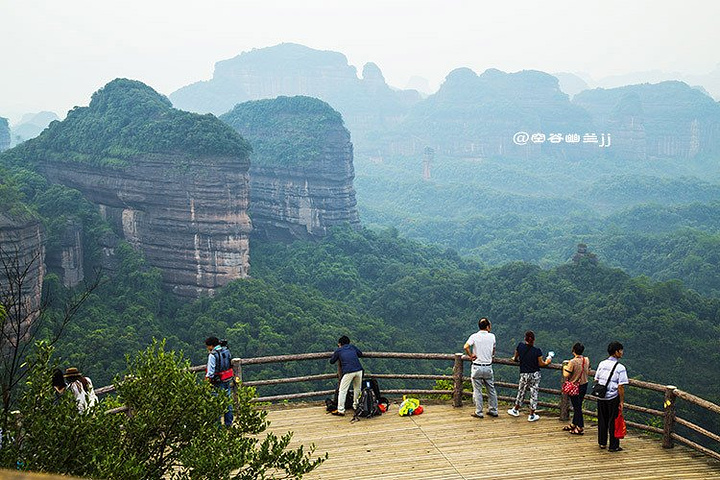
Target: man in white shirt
[(613, 374), (482, 344)]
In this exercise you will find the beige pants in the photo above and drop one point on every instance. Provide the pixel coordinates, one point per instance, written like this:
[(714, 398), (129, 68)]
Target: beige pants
[(356, 379)]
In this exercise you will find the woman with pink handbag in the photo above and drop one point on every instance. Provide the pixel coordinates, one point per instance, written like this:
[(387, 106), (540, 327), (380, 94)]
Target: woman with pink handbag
[(575, 385)]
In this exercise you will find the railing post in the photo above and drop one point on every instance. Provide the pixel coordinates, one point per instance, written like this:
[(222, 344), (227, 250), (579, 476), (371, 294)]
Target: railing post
[(237, 377), (564, 399), (458, 380), (669, 418)]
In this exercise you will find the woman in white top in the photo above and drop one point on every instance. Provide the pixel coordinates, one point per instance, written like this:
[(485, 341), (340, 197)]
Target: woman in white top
[(81, 388)]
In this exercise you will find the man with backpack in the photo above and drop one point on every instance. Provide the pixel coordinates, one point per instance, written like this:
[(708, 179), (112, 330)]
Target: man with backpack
[(351, 370), (219, 371)]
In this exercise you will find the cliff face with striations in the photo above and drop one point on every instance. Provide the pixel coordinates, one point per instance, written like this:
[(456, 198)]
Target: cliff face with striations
[(172, 183), (301, 172), (367, 103), (664, 120), (68, 258), (21, 250)]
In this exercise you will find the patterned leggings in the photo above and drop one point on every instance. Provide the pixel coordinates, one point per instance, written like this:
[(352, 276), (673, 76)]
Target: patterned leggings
[(531, 380)]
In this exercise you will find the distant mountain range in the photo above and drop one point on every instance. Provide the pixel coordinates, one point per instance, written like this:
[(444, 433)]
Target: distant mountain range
[(573, 83), (31, 125), (491, 114), (366, 103)]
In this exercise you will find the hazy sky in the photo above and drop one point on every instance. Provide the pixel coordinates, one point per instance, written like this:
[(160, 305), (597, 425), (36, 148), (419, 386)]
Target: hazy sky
[(55, 54)]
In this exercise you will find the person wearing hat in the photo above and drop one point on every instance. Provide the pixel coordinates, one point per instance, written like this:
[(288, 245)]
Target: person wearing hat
[(81, 387)]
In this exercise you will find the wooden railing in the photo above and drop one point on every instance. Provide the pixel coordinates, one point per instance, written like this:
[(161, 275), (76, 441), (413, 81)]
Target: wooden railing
[(668, 414)]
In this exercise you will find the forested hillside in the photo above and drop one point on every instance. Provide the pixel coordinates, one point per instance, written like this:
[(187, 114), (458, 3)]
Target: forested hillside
[(126, 119), (655, 218), (388, 293)]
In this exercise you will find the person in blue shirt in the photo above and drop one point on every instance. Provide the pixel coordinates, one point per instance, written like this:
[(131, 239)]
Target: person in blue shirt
[(352, 372), (219, 371)]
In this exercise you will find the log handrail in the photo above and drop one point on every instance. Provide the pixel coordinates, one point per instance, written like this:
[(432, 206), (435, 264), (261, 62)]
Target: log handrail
[(700, 402), (668, 415)]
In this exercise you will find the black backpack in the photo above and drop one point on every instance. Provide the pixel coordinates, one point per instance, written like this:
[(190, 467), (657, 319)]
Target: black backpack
[(370, 400), (332, 403), (223, 363)]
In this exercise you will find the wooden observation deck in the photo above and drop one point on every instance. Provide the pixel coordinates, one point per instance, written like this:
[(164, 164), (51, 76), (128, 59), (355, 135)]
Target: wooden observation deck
[(446, 443)]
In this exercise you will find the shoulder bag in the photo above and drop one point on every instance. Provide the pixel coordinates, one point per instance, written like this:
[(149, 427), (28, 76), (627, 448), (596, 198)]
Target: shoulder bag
[(571, 388), (599, 390)]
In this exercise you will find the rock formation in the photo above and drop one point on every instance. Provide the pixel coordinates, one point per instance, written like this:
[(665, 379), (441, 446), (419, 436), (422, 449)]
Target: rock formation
[(664, 120), (301, 172), (68, 258), (367, 104), (22, 254), (171, 183), (4, 134)]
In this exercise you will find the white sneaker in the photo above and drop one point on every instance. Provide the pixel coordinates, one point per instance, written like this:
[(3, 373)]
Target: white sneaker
[(513, 412), (533, 418)]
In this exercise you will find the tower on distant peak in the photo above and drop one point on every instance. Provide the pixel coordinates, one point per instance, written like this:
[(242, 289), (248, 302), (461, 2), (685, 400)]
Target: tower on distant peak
[(584, 253)]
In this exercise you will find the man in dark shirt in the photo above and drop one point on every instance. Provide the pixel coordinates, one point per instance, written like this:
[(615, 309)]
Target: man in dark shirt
[(530, 358), (351, 370)]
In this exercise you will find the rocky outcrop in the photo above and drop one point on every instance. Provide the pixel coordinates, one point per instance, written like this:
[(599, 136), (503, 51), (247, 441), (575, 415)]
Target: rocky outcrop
[(68, 258), (22, 254), (171, 183), (626, 125), (190, 221), (4, 134), (367, 104), (301, 173), (664, 120)]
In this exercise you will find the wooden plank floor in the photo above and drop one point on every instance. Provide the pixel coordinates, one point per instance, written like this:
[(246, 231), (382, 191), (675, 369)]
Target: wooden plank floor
[(445, 443)]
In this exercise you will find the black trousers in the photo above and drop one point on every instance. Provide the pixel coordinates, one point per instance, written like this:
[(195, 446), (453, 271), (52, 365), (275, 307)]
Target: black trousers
[(577, 401), (607, 412)]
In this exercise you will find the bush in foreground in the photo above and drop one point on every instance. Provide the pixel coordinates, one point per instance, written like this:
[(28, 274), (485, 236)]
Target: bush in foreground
[(170, 429)]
